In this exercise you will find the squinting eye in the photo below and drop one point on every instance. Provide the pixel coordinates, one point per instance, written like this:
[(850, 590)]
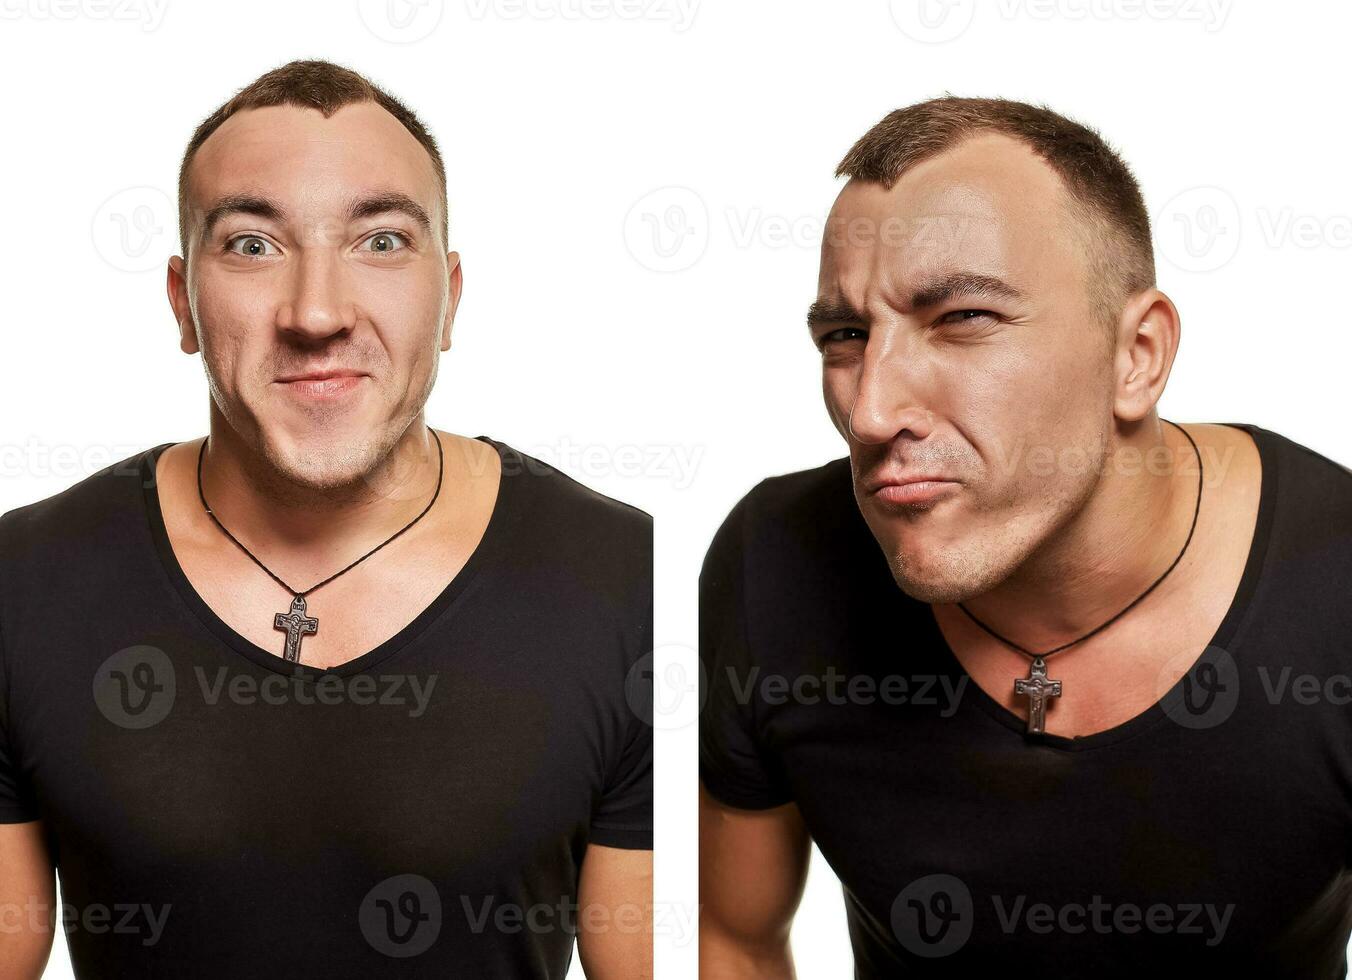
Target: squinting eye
[(968, 316), (383, 241), (254, 247), (836, 336)]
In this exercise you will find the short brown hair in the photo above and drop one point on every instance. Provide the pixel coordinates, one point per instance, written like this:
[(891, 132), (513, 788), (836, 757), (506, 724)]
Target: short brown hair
[(310, 84), (1102, 193)]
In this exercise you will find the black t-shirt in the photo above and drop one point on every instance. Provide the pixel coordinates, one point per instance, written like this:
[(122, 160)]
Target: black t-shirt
[(1212, 832), (420, 811)]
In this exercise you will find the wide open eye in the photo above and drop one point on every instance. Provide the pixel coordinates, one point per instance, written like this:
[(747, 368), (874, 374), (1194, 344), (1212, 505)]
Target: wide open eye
[(254, 247), (383, 242)]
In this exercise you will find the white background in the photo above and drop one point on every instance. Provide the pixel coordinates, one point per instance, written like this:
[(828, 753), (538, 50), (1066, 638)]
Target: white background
[(637, 188)]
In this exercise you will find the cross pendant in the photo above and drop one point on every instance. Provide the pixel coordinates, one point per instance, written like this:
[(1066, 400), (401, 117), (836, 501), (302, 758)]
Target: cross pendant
[(1037, 689), (296, 624)]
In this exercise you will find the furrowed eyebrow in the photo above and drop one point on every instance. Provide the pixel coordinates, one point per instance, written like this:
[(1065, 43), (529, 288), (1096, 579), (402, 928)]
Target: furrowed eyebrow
[(960, 284), (389, 202), (940, 290), (826, 311)]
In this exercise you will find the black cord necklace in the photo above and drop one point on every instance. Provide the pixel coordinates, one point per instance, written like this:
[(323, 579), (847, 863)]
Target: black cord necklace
[(1036, 687), (296, 624)]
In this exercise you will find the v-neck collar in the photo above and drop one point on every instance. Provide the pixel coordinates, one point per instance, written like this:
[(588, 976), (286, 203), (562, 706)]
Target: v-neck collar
[(489, 544), (1223, 638)]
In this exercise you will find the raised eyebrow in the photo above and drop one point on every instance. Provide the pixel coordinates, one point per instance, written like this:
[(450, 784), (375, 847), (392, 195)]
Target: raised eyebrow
[(959, 284), (359, 208), (390, 202), (259, 207), (825, 311)]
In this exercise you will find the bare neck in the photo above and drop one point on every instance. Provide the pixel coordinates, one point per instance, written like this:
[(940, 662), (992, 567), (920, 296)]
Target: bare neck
[(259, 503)]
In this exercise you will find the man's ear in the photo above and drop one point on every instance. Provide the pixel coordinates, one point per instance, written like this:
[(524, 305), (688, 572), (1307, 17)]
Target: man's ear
[(1148, 335), (177, 286), (457, 283)]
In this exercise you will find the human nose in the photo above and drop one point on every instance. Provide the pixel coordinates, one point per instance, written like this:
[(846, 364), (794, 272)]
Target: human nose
[(890, 394), (316, 302)]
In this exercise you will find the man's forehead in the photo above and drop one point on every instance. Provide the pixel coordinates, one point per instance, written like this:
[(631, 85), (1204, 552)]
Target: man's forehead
[(297, 153), (989, 204), (986, 169), (887, 248)]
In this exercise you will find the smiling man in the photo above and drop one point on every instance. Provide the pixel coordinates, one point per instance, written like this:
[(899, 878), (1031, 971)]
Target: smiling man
[(327, 692), (1052, 682)]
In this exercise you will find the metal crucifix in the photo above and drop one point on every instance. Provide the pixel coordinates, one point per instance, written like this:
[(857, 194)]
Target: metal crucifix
[(296, 624), (1037, 689)]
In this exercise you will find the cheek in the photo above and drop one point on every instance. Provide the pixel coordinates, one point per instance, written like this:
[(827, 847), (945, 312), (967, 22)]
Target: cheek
[(411, 294), (226, 319), (231, 301), (840, 384), (407, 317), (1020, 408), (1039, 472), (1063, 413)]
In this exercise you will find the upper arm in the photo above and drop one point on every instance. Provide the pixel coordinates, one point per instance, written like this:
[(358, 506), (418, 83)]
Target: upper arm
[(615, 909), (754, 847), (27, 884), (27, 901), (753, 866)]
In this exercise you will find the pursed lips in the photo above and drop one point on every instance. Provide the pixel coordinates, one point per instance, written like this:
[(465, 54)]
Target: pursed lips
[(323, 374)]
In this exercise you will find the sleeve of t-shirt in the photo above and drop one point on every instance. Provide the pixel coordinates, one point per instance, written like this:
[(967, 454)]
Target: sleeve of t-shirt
[(16, 799), (624, 816), (733, 764)]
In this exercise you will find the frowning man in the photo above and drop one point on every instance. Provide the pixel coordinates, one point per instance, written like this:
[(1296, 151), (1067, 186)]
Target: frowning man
[(1031, 665)]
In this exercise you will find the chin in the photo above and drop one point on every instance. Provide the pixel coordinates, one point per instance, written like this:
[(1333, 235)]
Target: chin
[(943, 574), (932, 589), (318, 464)]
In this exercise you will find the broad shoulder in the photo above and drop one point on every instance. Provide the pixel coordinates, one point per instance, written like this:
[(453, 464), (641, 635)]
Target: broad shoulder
[(569, 526), (802, 526), (73, 537), (797, 498), (1302, 483), (554, 493), (103, 501)]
